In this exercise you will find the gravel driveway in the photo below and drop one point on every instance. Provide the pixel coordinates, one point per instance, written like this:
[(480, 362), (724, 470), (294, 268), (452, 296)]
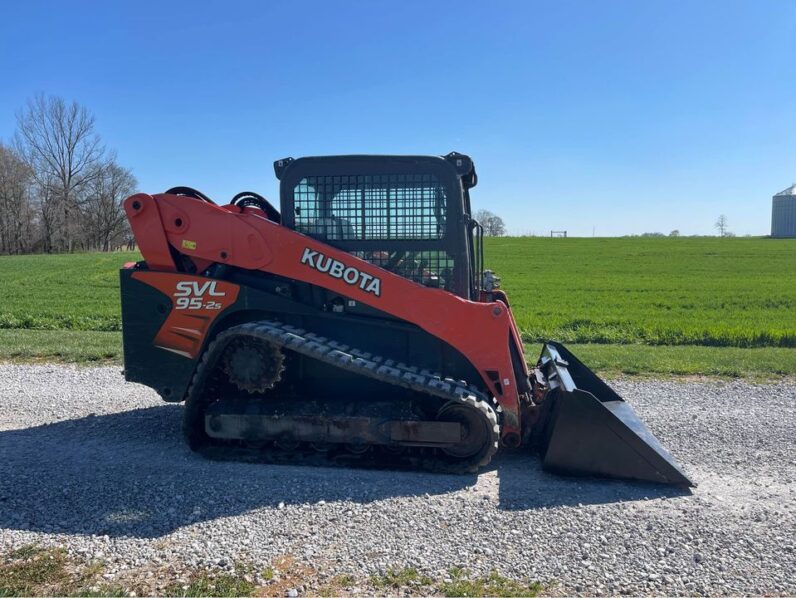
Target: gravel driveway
[(97, 465)]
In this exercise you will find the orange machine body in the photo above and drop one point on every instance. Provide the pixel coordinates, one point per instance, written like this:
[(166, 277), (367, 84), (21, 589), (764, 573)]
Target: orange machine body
[(483, 332)]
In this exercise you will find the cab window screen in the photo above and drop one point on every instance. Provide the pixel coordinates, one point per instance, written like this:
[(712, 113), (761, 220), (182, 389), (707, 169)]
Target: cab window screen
[(371, 207), (429, 268)]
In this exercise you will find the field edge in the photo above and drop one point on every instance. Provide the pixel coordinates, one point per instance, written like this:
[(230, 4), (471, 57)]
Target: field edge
[(610, 361)]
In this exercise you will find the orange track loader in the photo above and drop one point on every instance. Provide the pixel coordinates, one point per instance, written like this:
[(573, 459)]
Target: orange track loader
[(357, 325)]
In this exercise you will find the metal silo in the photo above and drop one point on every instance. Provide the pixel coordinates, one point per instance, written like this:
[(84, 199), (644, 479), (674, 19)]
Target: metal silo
[(783, 213)]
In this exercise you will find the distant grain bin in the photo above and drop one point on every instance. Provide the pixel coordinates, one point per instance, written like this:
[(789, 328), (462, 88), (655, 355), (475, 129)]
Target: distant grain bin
[(783, 213)]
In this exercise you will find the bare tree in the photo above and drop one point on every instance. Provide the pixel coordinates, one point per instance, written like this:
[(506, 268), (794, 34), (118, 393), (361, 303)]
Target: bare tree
[(493, 224), (16, 210), (104, 221), (721, 225), (59, 143)]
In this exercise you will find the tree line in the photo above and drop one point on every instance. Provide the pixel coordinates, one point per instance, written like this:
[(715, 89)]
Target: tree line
[(61, 188)]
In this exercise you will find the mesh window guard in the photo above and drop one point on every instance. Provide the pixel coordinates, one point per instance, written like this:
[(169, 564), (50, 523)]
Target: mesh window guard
[(429, 268), (370, 207), (394, 207)]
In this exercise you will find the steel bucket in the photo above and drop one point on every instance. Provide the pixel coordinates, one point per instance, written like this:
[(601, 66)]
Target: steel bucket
[(587, 429)]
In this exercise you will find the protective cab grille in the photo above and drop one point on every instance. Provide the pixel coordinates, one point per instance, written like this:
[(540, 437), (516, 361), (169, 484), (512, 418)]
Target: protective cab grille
[(395, 206), (344, 210)]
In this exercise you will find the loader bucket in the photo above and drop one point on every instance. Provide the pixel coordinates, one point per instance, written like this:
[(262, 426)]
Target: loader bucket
[(588, 429)]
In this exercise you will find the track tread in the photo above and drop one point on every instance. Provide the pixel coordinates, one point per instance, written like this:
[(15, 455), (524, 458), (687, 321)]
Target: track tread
[(342, 356)]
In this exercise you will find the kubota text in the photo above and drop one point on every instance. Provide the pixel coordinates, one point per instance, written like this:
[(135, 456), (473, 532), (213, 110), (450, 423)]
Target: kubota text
[(337, 269)]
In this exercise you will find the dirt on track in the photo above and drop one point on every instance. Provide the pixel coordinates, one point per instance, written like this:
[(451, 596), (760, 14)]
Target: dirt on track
[(98, 466)]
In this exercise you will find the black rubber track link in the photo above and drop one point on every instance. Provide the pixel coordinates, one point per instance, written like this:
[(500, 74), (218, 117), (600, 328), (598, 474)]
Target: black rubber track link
[(200, 394)]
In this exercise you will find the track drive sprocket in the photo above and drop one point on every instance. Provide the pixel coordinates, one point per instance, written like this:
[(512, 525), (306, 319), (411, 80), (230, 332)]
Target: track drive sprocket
[(252, 365)]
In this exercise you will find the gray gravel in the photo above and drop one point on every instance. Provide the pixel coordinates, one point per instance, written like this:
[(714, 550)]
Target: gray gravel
[(98, 465)]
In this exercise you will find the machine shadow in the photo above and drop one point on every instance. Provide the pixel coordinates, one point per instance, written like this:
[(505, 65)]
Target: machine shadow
[(130, 474), (525, 485)]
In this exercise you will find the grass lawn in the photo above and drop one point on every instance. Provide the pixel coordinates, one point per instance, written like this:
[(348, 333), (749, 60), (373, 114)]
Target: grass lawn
[(761, 364), (62, 292), (688, 306), (78, 346), (93, 347), (684, 291)]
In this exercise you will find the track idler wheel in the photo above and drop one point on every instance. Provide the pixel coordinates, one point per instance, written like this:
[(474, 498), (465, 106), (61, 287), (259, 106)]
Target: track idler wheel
[(253, 365), (480, 431), (357, 447)]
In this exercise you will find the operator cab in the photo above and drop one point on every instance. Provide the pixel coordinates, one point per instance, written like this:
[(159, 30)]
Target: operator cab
[(407, 214)]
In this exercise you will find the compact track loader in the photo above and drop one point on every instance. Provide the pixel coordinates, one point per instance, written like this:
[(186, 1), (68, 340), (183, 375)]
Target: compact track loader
[(357, 325)]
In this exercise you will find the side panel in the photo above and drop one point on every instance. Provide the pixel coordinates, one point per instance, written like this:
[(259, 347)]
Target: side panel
[(195, 303), (162, 343), (144, 312)]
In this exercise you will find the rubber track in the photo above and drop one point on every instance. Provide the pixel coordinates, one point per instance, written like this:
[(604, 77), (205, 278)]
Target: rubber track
[(353, 360)]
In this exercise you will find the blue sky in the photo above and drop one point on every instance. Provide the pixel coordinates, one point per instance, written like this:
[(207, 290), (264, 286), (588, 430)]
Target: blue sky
[(611, 116)]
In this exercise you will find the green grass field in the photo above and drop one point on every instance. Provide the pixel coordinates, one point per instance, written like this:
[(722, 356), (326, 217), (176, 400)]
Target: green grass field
[(62, 292), (685, 291), (688, 306)]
